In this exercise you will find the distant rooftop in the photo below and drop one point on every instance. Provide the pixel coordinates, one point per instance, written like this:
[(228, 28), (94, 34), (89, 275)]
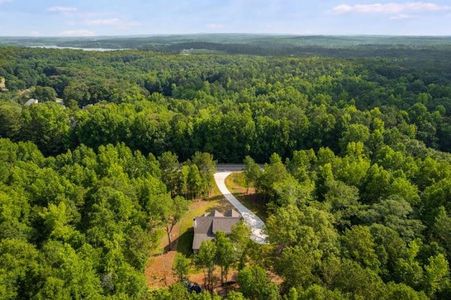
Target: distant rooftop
[(31, 102)]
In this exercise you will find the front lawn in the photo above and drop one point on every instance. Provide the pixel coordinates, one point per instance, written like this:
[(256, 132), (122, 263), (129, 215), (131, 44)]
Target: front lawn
[(196, 209)]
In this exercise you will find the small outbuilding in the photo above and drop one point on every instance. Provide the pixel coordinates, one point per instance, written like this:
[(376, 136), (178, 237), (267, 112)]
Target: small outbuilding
[(31, 102)]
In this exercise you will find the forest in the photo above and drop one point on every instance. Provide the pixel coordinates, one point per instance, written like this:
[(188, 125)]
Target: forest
[(349, 153), (253, 44)]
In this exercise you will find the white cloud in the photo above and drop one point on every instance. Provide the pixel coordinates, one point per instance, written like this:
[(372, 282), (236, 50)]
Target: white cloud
[(111, 21), (78, 32), (62, 9), (401, 17), (115, 22), (390, 8), (215, 26)]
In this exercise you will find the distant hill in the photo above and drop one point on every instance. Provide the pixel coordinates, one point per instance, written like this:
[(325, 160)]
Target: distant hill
[(343, 46)]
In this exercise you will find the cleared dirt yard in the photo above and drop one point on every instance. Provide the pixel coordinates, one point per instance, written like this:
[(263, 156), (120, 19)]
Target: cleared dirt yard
[(159, 266)]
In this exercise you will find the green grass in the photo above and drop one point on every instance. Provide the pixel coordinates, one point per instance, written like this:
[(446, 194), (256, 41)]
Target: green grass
[(198, 208), (161, 240), (185, 240)]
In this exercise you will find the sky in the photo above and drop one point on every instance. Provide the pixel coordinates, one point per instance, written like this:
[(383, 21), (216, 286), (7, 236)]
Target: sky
[(149, 17)]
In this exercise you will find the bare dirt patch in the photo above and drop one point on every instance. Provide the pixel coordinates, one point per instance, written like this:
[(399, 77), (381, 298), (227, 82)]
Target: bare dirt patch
[(158, 271)]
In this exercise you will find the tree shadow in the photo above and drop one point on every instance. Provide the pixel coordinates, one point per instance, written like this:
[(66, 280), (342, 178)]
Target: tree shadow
[(216, 197), (184, 243), (255, 202), (223, 207)]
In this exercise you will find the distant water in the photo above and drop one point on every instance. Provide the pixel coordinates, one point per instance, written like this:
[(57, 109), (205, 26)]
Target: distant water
[(78, 48)]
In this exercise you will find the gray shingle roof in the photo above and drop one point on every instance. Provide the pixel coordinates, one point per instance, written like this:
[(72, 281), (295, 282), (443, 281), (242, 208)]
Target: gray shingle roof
[(207, 226), (202, 225), (217, 214), (199, 238), (224, 224), (232, 213)]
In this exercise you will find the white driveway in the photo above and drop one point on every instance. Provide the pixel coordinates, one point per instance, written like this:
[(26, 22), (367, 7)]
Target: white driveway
[(249, 217)]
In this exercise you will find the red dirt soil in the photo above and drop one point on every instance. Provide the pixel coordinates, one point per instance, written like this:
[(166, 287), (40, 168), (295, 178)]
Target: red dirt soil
[(159, 272)]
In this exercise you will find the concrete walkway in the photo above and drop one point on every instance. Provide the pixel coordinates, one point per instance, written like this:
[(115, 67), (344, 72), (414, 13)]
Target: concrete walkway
[(249, 217)]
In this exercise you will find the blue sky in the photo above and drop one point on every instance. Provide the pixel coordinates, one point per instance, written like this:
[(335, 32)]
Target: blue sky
[(306, 17)]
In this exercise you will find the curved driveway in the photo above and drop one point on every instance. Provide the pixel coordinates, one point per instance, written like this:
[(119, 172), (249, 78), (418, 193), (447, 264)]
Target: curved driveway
[(256, 224)]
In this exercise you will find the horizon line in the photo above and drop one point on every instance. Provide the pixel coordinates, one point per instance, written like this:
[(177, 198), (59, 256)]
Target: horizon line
[(228, 33)]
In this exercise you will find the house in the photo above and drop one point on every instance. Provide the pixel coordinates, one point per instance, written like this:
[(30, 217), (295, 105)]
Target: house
[(3, 85), (31, 102), (206, 226)]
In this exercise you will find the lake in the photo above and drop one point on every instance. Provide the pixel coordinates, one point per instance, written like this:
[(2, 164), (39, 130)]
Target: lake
[(77, 48)]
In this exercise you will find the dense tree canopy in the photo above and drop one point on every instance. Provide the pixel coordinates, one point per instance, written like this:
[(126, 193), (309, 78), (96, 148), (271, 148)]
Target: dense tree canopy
[(80, 224), (230, 106), (350, 157)]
